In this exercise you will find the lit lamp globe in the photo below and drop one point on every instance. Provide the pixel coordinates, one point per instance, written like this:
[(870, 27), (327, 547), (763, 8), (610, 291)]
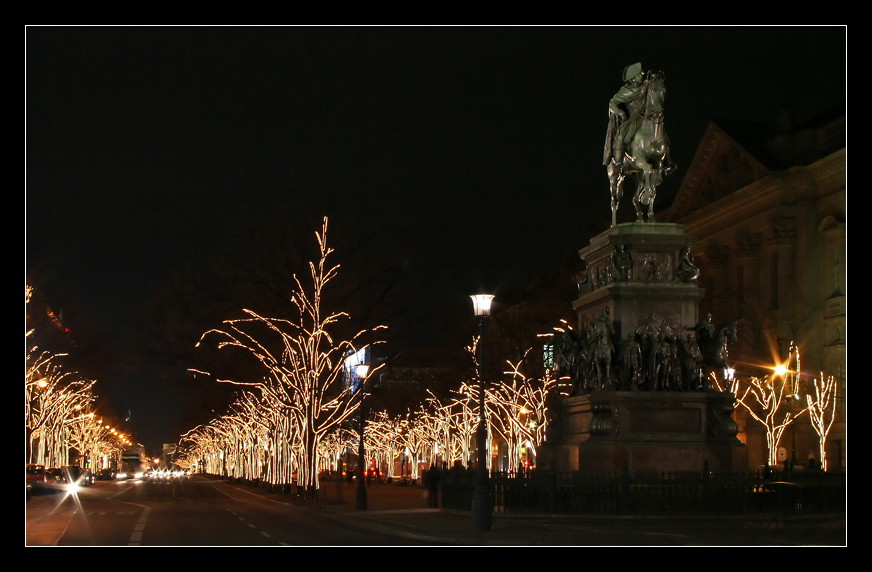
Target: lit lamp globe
[(481, 304), (361, 369)]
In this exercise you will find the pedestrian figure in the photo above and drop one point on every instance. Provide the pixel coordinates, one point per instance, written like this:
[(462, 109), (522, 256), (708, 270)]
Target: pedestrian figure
[(434, 475)]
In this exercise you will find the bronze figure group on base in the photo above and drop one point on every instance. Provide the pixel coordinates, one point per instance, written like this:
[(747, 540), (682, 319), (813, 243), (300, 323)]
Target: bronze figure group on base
[(655, 356)]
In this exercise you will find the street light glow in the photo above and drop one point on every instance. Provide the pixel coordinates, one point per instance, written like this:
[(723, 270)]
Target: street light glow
[(481, 304)]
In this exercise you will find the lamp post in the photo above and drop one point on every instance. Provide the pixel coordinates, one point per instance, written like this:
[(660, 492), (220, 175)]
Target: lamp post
[(794, 397), (482, 504), (782, 371), (339, 474), (360, 496)]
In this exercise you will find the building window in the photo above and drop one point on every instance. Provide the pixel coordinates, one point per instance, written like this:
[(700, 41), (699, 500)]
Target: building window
[(548, 356)]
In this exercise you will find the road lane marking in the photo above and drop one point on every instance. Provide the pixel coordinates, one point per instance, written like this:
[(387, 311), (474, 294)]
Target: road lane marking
[(136, 537)]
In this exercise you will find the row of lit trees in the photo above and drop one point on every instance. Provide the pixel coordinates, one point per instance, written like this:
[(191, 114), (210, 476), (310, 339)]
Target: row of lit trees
[(775, 401), (256, 438), (58, 412), (292, 420), (301, 398)]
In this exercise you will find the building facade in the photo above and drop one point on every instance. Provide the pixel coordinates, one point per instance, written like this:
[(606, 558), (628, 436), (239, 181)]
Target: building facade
[(768, 214)]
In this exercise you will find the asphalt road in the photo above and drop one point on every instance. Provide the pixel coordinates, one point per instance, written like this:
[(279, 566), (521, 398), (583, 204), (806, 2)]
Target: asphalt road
[(198, 511), (187, 511)]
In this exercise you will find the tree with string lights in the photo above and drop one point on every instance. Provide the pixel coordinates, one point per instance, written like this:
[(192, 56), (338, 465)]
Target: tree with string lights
[(54, 400), (57, 409), (303, 362), (822, 411), (770, 401), (381, 438), (521, 400)]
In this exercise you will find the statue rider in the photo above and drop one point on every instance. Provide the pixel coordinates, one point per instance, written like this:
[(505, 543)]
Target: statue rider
[(705, 333), (624, 124)]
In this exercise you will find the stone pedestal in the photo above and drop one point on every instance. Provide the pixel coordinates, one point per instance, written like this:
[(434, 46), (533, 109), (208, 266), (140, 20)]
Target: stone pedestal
[(652, 431), (568, 429), (659, 431), (643, 275), (632, 270)]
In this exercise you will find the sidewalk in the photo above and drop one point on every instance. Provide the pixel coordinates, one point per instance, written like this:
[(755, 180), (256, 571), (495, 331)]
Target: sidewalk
[(401, 511)]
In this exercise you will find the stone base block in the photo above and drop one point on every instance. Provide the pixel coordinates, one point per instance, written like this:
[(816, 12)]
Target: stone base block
[(659, 457)]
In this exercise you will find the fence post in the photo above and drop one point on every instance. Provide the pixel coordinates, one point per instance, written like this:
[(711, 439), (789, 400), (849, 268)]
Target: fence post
[(552, 491), (624, 492), (706, 487)]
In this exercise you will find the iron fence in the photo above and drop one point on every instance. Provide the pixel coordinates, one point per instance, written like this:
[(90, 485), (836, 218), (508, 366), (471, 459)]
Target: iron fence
[(772, 492)]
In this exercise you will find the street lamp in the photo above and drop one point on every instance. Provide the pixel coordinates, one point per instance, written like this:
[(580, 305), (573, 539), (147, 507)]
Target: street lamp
[(783, 370), (793, 397), (482, 504), (360, 496)]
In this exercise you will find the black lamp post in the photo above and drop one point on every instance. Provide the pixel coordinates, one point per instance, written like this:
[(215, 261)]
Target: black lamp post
[(360, 496), (482, 503), (782, 371)]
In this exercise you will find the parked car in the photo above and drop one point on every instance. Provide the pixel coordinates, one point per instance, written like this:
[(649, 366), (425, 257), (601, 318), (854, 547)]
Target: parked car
[(54, 479), (86, 477), (61, 478), (105, 475), (34, 474), (77, 475)]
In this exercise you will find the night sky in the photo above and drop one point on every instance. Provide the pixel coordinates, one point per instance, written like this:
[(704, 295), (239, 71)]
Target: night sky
[(473, 155)]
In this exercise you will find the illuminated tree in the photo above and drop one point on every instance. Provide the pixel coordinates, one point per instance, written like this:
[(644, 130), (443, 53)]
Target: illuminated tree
[(449, 433), (522, 402), (463, 412), (337, 442), (822, 410), (412, 436), (466, 419), (56, 403), (439, 429), (92, 439), (106, 452), (381, 438), (770, 401), (304, 364), (53, 399)]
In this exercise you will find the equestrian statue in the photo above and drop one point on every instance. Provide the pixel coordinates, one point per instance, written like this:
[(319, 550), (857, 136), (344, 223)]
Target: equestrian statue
[(636, 141)]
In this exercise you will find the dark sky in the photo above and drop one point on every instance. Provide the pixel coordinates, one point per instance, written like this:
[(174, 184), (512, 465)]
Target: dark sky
[(478, 149)]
